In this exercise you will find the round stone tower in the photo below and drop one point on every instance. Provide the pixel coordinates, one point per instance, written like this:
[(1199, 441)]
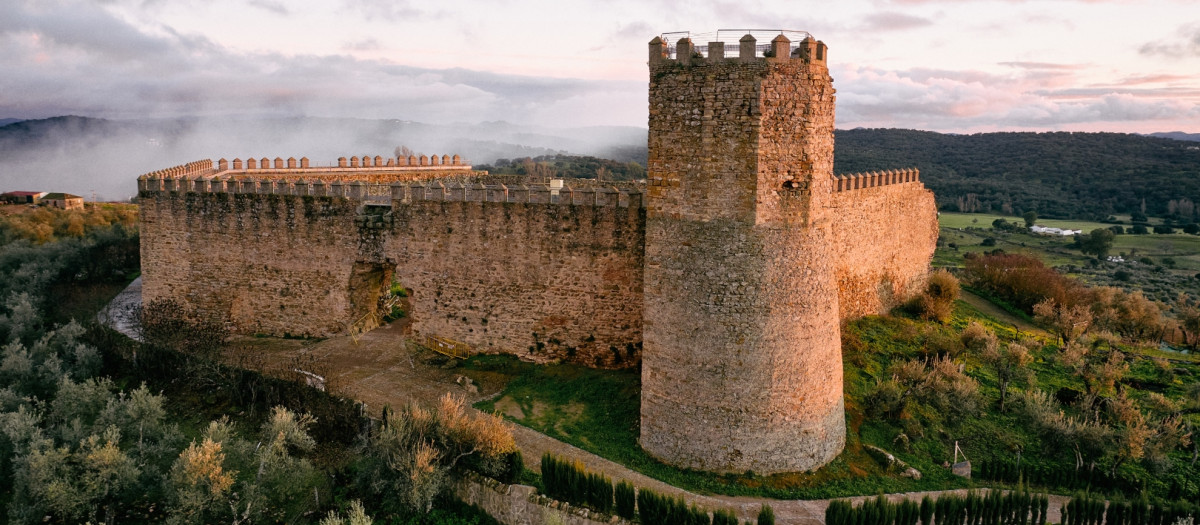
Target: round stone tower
[(742, 364)]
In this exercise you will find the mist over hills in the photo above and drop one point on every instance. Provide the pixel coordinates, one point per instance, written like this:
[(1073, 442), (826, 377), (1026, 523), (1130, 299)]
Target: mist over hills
[(80, 154), (1071, 175)]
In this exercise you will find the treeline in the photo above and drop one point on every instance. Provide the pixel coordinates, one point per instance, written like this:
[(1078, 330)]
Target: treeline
[(45, 224), (1065, 175), (1071, 309), (1007, 508), (994, 508), (567, 167)]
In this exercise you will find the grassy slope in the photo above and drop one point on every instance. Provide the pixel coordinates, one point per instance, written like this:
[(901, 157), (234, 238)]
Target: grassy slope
[(597, 410)]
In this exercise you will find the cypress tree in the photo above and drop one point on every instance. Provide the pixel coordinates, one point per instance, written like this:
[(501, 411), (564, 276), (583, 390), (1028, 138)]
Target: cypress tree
[(926, 511), (766, 516), (726, 517), (649, 507), (625, 499)]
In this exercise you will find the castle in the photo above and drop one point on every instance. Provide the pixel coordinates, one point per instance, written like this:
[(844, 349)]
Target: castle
[(727, 279)]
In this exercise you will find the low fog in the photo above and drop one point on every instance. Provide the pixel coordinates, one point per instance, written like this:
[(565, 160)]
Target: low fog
[(81, 155)]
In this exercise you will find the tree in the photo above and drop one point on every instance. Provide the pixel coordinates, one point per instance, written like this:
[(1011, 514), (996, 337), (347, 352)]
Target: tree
[(1030, 217), (1097, 243), (1010, 363), (411, 453), (1068, 321), (200, 484), (1187, 313)]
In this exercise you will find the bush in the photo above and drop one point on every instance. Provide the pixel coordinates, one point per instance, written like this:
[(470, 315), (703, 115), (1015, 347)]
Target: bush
[(937, 302), (1020, 280), (1163, 229)]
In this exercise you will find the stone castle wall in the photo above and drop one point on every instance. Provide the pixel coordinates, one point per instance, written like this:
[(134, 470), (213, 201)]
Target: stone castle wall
[(884, 233), (504, 270)]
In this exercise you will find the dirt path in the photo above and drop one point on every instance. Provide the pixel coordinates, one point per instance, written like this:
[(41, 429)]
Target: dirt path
[(990, 309)]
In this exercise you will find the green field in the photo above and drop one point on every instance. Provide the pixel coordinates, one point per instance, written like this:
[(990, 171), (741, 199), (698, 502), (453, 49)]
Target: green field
[(1161, 265), (984, 220)]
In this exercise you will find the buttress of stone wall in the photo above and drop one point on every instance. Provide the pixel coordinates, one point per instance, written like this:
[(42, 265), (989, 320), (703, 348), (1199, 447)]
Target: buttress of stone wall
[(885, 230)]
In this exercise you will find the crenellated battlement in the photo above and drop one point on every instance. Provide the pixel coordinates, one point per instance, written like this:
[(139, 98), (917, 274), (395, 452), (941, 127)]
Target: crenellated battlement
[(801, 46), (172, 180), (872, 179), (191, 169)]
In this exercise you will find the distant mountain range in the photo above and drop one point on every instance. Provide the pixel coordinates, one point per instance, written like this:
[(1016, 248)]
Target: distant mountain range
[(7, 121), (1076, 175), (1178, 135)]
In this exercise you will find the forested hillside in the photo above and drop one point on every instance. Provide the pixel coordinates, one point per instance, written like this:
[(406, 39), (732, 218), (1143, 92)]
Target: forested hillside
[(1067, 175)]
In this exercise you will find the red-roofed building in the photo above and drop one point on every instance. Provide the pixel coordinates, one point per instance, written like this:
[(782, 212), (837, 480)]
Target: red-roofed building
[(22, 197)]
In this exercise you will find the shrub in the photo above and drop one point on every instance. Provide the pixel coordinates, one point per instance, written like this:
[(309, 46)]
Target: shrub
[(937, 302), (1020, 280)]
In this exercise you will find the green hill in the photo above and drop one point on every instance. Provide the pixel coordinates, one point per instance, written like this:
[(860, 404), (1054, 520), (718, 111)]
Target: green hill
[(1065, 175)]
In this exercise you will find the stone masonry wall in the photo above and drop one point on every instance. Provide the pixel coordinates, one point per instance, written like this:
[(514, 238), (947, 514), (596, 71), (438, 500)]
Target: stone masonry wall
[(522, 505), (540, 280), (883, 241), (250, 258)]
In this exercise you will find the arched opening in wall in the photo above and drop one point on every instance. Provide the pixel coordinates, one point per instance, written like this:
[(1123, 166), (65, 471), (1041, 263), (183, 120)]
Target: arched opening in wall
[(395, 306), (369, 283)]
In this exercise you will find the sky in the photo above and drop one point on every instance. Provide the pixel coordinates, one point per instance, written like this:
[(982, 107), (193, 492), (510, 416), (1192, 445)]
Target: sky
[(960, 66)]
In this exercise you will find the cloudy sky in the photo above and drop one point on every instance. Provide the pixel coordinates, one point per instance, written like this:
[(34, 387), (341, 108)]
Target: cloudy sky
[(943, 65)]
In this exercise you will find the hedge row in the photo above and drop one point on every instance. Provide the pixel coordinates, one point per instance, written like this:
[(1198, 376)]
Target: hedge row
[(1091, 510), (996, 508), (570, 482)]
